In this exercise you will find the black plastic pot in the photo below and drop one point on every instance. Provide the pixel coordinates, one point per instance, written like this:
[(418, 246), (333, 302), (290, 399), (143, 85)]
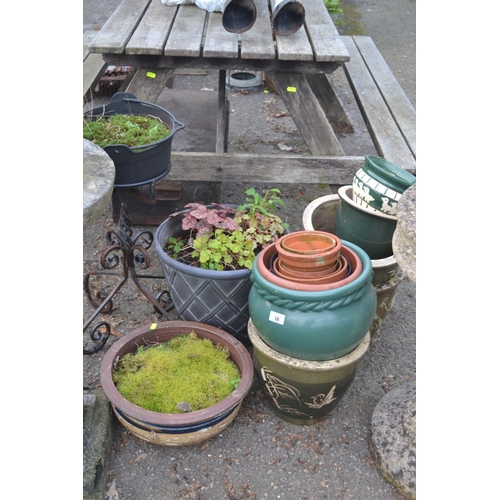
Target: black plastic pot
[(138, 165)]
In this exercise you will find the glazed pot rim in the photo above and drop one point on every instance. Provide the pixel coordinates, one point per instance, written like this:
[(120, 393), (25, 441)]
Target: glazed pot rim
[(345, 194), (355, 355), (160, 240), (326, 292), (399, 176), (239, 355)]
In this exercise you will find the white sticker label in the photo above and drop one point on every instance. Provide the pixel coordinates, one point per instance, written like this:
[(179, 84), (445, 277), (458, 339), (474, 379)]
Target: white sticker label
[(277, 318)]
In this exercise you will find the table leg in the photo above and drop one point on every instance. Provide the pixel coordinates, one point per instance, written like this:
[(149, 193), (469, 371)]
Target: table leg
[(147, 84), (326, 95), (307, 112), (222, 116)]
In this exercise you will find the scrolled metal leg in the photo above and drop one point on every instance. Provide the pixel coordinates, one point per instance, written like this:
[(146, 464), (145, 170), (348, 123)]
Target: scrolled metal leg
[(131, 251), (99, 337)]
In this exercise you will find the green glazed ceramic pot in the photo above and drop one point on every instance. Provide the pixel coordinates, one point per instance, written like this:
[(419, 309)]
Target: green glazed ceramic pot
[(313, 325), (372, 231), (379, 185), (303, 392), (386, 293)]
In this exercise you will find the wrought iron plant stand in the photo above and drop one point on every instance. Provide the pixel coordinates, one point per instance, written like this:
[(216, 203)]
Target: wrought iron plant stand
[(135, 166), (131, 250)]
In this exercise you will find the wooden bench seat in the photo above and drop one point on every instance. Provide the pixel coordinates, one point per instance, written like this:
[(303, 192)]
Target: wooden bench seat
[(388, 113), (94, 65)]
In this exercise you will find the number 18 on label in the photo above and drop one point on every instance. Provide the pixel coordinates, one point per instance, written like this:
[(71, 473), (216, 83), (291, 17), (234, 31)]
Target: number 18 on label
[(277, 318)]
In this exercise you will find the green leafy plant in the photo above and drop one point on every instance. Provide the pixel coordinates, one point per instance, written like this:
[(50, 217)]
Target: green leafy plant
[(333, 6), (222, 238)]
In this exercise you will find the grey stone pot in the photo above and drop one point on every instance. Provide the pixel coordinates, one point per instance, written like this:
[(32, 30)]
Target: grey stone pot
[(217, 298)]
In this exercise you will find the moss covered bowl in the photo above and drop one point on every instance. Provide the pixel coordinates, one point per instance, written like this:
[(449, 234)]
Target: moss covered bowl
[(176, 429)]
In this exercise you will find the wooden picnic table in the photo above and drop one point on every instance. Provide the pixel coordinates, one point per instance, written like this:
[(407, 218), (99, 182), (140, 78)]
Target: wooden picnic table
[(157, 39)]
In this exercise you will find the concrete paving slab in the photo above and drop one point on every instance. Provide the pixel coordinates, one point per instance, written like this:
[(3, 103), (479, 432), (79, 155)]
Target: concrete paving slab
[(97, 439)]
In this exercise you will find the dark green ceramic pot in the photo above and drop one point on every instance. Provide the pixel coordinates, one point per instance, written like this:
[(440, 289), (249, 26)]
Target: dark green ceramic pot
[(379, 185), (313, 325), (387, 275), (303, 392), (386, 293), (372, 231)]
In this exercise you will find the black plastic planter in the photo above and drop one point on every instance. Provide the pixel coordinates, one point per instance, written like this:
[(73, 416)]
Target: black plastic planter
[(138, 165)]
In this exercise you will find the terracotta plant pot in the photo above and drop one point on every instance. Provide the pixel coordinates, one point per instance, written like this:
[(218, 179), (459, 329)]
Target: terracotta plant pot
[(314, 323), (379, 185), (313, 258), (176, 429), (387, 275), (337, 273), (289, 271), (309, 242), (303, 392), (372, 231), (264, 266)]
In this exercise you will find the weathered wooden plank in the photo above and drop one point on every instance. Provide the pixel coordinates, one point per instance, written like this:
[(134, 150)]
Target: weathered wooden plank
[(218, 41), (307, 113), (326, 42), (257, 43), (264, 168), (94, 65), (239, 64), (187, 32), (399, 105), (147, 85), (294, 47), (118, 29), (384, 132), (88, 36), (330, 103), (151, 34)]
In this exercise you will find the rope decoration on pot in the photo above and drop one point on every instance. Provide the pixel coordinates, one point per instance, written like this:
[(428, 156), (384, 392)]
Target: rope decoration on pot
[(305, 306)]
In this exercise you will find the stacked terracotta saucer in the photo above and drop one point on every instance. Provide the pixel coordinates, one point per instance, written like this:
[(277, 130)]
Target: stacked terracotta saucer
[(310, 257)]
